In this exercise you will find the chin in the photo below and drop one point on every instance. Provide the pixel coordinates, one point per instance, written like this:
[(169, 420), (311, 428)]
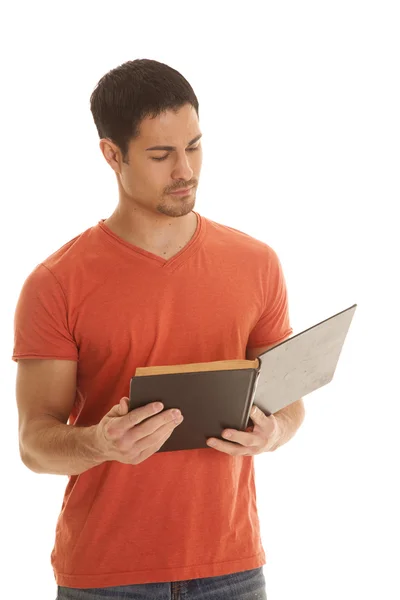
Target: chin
[(179, 208)]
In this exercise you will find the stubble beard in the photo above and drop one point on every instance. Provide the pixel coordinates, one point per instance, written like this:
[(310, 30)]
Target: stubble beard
[(177, 208)]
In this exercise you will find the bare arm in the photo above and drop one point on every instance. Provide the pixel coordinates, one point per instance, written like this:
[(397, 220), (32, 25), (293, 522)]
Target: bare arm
[(45, 395), (59, 449)]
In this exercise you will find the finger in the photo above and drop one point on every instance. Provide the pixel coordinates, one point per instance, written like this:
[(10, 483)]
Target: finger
[(243, 438), (257, 415), (136, 416), (119, 409), (123, 406), (228, 447), (267, 423), (148, 450), (148, 433)]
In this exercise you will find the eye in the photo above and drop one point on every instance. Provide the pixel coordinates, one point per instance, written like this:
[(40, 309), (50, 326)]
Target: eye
[(166, 156)]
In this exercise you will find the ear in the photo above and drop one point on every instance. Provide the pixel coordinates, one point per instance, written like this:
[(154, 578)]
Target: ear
[(112, 154)]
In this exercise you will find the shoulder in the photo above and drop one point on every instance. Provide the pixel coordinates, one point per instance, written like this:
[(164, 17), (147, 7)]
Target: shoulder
[(50, 272), (73, 250), (237, 240)]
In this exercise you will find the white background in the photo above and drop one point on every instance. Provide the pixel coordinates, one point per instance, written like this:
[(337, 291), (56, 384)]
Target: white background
[(299, 109)]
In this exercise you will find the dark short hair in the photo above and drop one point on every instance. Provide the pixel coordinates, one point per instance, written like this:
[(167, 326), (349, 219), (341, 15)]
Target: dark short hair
[(133, 91)]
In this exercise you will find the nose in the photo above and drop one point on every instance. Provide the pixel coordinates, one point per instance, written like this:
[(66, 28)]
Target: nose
[(182, 168)]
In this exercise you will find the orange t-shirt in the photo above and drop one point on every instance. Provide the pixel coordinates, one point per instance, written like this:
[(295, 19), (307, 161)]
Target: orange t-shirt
[(112, 307)]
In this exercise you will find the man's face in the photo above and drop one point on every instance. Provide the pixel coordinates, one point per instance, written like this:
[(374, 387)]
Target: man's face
[(152, 174)]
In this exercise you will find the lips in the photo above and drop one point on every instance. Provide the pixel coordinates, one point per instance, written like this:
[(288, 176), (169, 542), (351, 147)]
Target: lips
[(181, 192)]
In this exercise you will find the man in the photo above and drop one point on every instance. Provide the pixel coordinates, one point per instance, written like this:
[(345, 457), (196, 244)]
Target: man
[(156, 283)]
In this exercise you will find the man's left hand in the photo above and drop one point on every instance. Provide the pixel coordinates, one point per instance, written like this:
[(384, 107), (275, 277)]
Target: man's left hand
[(255, 440)]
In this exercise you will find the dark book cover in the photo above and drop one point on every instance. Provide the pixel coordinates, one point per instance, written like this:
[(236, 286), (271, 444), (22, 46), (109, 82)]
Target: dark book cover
[(219, 395)]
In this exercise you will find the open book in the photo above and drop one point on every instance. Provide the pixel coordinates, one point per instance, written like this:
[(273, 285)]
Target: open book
[(213, 396)]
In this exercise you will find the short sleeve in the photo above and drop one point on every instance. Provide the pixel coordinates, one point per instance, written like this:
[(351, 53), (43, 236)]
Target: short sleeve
[(41, 319), (273, 325)]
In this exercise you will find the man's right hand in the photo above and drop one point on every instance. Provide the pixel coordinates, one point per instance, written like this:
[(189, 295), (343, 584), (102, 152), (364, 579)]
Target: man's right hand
[(122, 436)]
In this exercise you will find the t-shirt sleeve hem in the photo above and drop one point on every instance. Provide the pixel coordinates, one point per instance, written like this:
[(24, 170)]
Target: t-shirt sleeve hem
[(16, 357)]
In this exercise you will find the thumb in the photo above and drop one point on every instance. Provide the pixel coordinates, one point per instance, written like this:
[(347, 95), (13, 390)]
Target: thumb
[(123, 406), (120, 409)]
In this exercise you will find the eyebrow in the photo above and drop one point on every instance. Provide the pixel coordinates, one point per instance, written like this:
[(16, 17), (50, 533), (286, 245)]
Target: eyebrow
[(171, 148)]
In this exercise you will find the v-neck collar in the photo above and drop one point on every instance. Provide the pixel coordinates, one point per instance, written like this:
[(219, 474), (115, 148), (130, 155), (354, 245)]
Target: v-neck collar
[(166, 264)]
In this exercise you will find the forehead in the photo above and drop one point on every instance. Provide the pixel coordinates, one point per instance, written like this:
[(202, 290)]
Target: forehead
[(170, 126)]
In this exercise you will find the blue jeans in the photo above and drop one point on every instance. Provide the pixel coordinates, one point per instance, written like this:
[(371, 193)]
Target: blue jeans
[(246, 585)]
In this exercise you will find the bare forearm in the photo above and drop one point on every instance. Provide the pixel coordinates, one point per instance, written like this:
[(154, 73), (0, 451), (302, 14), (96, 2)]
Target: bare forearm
[(290, 418), (55, 448)]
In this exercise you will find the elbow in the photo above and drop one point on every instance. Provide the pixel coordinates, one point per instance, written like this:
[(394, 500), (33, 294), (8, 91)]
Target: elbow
[(27, 459)]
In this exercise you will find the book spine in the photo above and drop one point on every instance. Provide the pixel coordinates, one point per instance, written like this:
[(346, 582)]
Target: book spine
[(249, 399)]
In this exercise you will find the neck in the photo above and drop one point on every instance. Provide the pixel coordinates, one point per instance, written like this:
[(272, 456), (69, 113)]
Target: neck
[(154, 232)]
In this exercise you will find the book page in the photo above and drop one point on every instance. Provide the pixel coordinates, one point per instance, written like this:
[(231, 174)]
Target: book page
[(218, 365)]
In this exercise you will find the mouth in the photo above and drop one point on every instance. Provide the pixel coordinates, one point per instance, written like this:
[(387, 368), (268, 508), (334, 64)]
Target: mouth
[(184, 192)]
